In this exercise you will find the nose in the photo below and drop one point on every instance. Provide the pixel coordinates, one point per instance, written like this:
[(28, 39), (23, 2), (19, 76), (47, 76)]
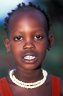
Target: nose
[(29, 45)]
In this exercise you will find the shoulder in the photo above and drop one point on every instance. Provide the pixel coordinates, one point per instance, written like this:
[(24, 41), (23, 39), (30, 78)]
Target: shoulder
[(57, 84), (61, 87), (4, 87), (3, 81)]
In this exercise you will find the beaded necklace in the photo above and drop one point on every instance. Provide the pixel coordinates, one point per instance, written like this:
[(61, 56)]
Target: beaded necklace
[(28, 85)]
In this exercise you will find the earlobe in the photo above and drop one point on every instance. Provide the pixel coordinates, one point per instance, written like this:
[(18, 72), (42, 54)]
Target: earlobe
[(51, 40), (7, 44)]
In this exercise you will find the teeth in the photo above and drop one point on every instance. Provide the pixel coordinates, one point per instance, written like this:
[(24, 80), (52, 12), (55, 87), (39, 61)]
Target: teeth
[(29, 57)]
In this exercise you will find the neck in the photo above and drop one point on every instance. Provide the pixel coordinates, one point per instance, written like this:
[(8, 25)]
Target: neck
[(28, 75)]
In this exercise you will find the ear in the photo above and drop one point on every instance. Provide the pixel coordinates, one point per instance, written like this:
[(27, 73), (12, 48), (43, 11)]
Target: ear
[(51, 40), (7, 44)]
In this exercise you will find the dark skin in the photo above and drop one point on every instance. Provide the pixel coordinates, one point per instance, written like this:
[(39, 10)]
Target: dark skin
[(28, 36)]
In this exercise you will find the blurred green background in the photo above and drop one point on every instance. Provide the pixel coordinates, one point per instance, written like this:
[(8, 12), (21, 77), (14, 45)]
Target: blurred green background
[(54, 59)]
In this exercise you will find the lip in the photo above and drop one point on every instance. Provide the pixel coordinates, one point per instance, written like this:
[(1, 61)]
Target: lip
[(31, 54), (30, 61)]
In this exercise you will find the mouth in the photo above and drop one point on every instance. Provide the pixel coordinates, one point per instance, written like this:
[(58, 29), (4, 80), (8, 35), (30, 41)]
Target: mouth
[(30, 57)]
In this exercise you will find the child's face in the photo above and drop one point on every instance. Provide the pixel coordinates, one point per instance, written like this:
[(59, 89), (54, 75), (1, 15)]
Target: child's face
[(28, 40)]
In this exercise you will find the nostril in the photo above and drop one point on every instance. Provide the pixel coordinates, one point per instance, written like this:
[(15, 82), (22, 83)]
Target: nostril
[(28, 46)]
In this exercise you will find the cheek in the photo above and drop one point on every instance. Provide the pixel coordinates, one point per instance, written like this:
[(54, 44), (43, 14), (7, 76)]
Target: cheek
[(15, 49), (16, 46), (42, 46)]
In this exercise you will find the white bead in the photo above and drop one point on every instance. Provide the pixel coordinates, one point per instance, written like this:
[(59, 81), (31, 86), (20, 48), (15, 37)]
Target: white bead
[(28, 85)]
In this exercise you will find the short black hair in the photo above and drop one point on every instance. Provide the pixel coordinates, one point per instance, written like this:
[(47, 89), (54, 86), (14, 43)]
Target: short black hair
[(20, 7)]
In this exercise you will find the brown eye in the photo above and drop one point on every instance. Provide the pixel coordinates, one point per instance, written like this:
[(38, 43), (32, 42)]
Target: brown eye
[(38, 37), (18, 38)]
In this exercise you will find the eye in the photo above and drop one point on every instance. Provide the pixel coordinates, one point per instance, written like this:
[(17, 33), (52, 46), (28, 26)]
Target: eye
[(18, 38), (38, 37)]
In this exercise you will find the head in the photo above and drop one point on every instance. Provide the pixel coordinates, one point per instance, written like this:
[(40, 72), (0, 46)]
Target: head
[(28, 36)]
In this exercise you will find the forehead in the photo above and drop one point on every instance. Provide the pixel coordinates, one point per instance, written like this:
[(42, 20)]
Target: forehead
[(30, 17), (29, 14)]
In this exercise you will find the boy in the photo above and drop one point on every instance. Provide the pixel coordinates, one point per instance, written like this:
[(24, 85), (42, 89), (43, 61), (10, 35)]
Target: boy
[(28, 40)]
